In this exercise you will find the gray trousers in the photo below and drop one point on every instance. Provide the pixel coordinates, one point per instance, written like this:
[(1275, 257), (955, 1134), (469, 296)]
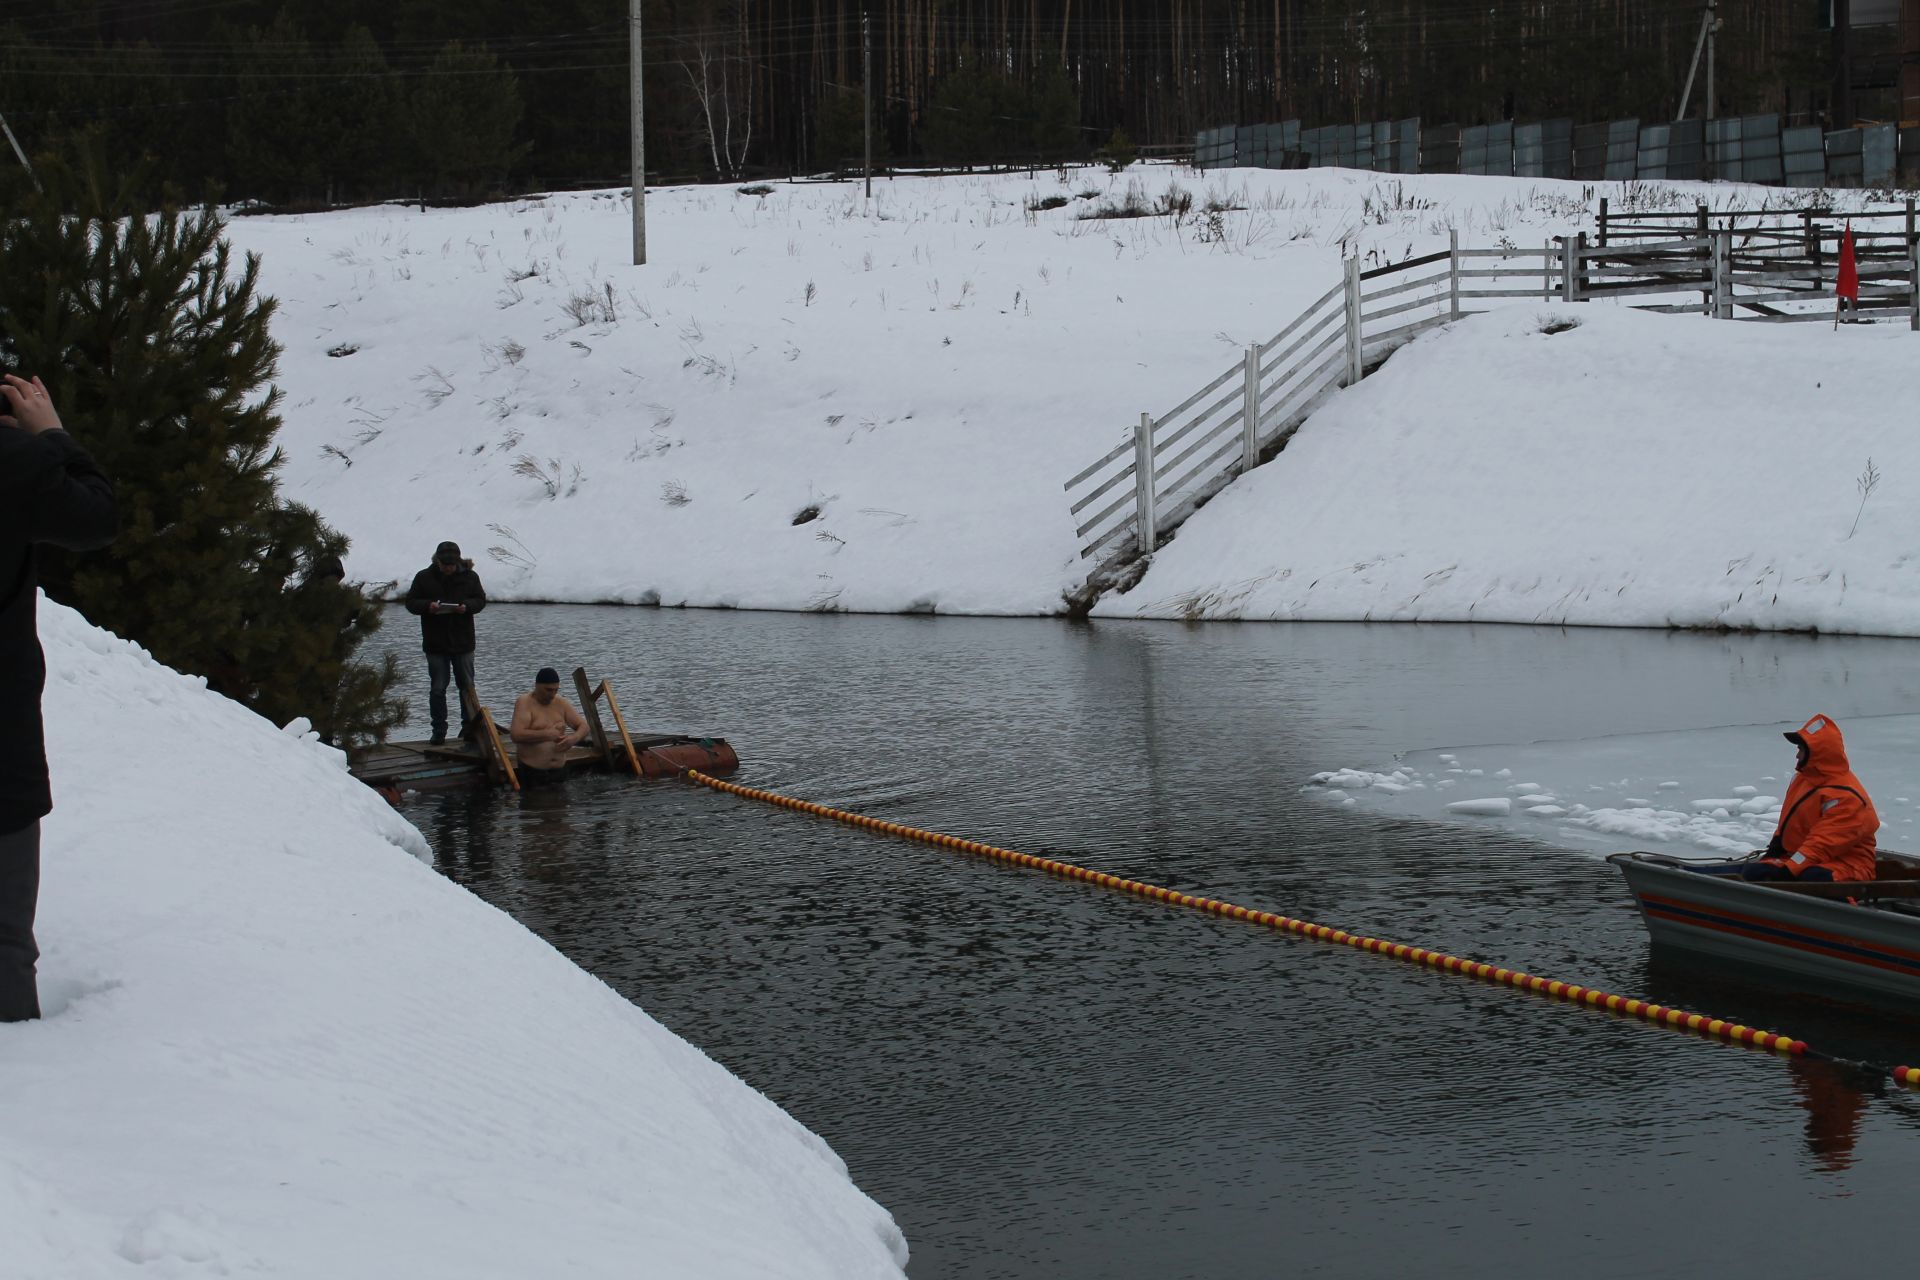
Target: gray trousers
[(19, 890)]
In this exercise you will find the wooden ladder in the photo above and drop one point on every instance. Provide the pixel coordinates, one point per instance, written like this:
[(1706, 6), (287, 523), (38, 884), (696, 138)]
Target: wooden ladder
[(499, 763), (589, 708)]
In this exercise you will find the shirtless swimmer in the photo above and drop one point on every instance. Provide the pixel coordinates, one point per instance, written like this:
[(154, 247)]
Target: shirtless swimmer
[(545, 726)]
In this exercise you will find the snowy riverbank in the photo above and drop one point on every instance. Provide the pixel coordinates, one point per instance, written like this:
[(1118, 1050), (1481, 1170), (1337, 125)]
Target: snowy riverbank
[(278, 1043), (912, 381)]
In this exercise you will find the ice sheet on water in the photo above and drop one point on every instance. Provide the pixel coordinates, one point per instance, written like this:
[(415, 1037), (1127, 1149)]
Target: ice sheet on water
[(1616, 776)]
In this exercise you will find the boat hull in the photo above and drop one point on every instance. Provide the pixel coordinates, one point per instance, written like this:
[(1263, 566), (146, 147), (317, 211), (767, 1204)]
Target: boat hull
[(1825, 941)]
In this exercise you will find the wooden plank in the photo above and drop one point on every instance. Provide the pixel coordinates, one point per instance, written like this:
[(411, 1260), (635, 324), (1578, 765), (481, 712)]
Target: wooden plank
[(1300, 319), (590, 711), (1409, 265), (490, 741), (1302, 340), (1439, 300), (613, 705), (1209, 461), (1094, 522), (1195, 398), (1408, 330), (1166, 443), (1166, 468), (1308, 361), (1505, 253), (1303, 395), (1124, 527), (1439, 277), (1125, 446), (1093, 495)]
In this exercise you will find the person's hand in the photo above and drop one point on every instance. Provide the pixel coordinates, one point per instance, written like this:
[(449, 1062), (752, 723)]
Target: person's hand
[(32, 406), (560, 735), (433, 606)]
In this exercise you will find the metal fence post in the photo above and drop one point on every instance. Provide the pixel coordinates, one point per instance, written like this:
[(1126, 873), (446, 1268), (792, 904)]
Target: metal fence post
[(1353, 320), (1566, 268), (1250, 429), (1580, 277), (1144, 530), (1453, 274), (1546, 270)]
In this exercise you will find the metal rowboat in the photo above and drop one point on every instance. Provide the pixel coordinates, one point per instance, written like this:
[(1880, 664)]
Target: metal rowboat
[(1864, 935)]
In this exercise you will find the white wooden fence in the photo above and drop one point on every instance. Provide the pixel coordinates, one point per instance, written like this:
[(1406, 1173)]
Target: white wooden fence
[(1166, 467)]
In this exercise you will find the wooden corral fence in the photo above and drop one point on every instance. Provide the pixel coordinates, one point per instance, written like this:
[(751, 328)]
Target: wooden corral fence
[(1131, 499)]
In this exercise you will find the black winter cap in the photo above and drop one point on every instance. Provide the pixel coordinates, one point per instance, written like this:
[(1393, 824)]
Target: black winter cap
[(546, 675), (447, 551)]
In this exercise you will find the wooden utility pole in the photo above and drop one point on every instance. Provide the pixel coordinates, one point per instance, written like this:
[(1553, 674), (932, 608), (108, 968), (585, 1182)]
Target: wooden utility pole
[(1910, 63), (638, 105), (866, 94), (1841, 116)]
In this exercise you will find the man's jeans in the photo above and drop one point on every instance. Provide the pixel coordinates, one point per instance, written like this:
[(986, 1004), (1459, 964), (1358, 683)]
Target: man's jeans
[(19, 887), (439, 666)]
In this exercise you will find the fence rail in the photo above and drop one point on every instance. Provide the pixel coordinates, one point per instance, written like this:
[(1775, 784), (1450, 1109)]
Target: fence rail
[(1166, 467)]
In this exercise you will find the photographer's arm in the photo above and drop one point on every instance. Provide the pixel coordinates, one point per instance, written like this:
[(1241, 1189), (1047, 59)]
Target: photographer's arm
[(70, 500)]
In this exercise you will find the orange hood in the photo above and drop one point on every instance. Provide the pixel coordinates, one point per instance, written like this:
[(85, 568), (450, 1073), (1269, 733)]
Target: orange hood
[(1826, 749)]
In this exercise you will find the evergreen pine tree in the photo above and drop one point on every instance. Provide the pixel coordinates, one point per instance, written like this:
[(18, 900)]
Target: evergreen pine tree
[(840, 131), (154, 344), (464, 115)]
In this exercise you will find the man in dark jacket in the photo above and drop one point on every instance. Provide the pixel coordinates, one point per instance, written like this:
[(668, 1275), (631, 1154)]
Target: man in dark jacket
[(446, 594), (50, 491)]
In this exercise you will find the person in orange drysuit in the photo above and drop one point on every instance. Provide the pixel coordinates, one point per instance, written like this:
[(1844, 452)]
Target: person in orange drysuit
[(1827, 823)]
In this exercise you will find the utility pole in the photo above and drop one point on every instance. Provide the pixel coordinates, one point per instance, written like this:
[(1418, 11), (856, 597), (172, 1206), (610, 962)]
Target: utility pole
[(1842, 113), (639, 143), (1709, 23), (866, 92), (1713, 27), (15, 144), (1910, 62)]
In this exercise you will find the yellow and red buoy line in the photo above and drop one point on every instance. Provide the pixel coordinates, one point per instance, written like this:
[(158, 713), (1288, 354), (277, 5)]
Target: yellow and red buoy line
[(1646, 1011), (1909, 1076)]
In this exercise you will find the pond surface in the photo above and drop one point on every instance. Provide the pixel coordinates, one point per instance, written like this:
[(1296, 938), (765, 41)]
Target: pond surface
[(1043, 1079)]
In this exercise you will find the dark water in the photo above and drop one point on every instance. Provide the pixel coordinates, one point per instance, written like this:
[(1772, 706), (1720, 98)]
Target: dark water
[(1042, 1079)]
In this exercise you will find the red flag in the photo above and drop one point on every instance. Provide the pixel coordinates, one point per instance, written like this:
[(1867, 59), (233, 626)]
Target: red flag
[(1848, 285)]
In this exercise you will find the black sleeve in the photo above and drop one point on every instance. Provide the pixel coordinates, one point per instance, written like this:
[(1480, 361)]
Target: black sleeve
[(418, 595), (71, 501), (478, 600)]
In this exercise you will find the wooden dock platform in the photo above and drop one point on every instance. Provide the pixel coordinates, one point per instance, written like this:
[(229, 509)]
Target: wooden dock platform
[(393, 767), (419, 766)]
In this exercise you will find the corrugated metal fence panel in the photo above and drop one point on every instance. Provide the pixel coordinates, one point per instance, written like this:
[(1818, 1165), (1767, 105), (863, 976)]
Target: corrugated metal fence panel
[(1318, 144), (1440, 148), (1243, 145), (1213, 149), (1760, 149), (1803, 156), (1623, 150), (1724, 149), (1290, 134), (1500, 149), (1843, 158), (1590, 152), (1879, 154), (1686, 150), (1557, 146), (1653, 151), (1406, 145), (1529, 151), (1473, 149)]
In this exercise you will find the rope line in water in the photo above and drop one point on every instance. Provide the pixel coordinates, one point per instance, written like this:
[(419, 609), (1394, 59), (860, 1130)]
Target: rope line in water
[(1659, 1015)]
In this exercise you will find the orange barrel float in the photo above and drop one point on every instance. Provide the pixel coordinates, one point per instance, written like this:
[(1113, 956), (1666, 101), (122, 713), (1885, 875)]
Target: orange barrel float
[(671, 757)]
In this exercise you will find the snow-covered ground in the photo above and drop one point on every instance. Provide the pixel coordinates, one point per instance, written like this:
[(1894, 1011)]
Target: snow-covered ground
[(1701, 792), (914, 379), (278, 1043)]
